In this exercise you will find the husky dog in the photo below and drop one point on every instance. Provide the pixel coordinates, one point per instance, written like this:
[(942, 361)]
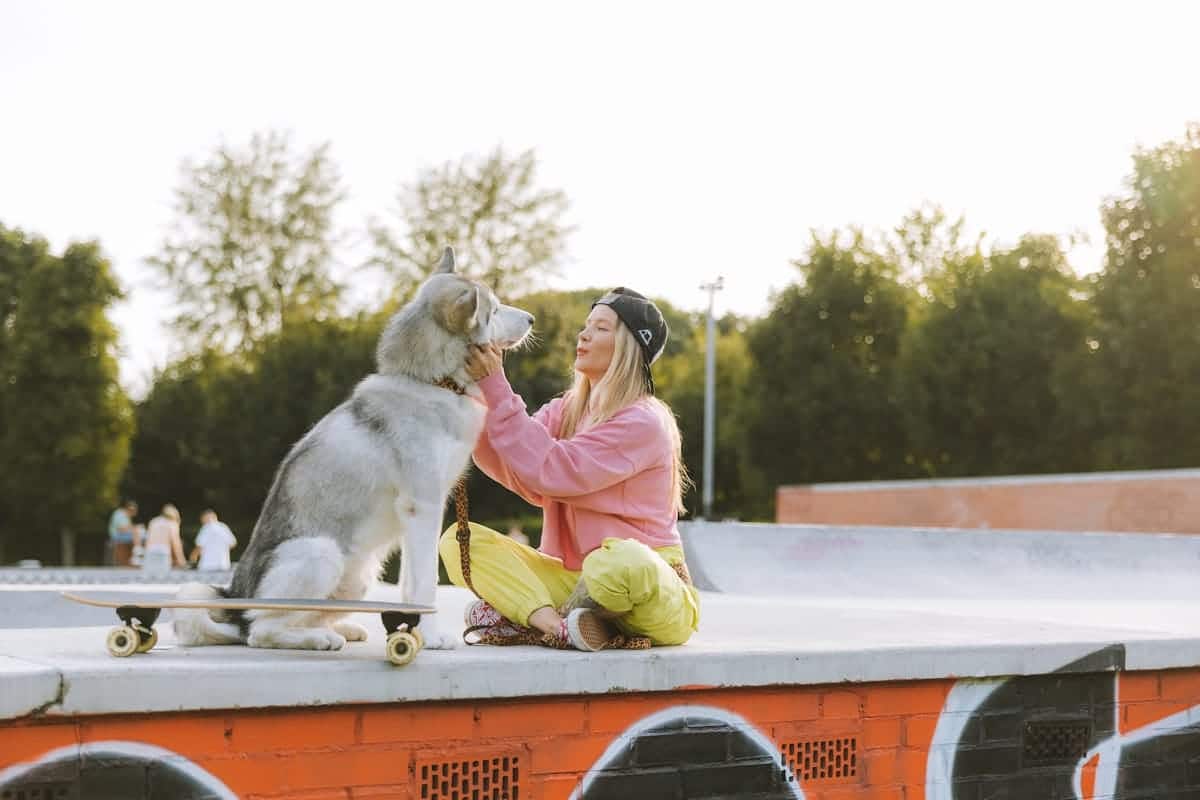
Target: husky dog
[(371, 477)]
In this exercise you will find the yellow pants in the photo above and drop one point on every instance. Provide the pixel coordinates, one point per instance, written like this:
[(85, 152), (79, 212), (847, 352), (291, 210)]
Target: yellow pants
[(622, 575)]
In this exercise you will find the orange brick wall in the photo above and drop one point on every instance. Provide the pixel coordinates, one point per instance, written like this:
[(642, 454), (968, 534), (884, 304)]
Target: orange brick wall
[(1132, 504), (378, 751)]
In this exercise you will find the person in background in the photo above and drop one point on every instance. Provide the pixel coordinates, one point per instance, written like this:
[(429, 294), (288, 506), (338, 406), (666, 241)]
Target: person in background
[(121, 533), (162, 546), (213, 543)]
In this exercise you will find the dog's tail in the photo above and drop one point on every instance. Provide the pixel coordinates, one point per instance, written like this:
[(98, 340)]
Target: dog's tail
[(198, 626)]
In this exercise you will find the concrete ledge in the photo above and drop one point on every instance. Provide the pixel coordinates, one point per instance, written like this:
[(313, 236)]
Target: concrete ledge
[(28, 687), (745, 642), (1153, 502)]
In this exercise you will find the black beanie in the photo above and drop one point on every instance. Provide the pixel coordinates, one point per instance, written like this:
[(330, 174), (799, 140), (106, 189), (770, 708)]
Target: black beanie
[(644, 321)]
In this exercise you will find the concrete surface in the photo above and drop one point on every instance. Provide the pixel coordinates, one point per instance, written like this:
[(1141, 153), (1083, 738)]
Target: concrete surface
[(799, 605), (104, 575), (912, 562)]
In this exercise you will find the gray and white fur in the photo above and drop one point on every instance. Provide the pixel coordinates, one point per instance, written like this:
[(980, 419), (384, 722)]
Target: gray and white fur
[(370, 478)]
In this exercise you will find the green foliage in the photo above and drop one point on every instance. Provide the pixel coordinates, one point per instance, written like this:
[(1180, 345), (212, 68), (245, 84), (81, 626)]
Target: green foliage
[(250, 248), (982, 365), (926, 245), (506, 231), (820, 399), (542, 368), (1147, 302), (67, 423), (19, 255), (737, 489)]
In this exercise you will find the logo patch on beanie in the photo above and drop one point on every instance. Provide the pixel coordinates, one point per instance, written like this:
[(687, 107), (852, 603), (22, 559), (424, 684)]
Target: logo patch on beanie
[(646, 336)]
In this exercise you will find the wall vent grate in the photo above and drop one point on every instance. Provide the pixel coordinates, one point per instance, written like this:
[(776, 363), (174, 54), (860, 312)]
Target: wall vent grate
[(822, 759), (60, 790), (482, 778)]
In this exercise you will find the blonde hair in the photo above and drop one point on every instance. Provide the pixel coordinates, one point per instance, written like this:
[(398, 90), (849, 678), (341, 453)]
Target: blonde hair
[(623, 384), (171, 512)]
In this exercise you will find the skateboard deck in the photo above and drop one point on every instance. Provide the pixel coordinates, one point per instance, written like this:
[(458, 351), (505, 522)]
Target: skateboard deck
[(138, 613), (140, 600)]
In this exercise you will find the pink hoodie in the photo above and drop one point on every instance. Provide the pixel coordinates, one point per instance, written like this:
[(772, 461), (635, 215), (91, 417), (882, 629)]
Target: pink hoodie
[(612, 480)]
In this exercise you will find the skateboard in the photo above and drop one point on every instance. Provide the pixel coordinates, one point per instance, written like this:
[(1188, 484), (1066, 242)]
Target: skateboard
[(138, 613)]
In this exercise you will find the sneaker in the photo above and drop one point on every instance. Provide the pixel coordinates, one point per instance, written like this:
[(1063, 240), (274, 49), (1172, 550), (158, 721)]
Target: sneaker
[(481, 614), (587, 630), (490, 627)]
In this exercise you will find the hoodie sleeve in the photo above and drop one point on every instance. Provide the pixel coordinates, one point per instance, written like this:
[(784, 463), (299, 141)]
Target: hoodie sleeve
[(599, 457), (494, 466)]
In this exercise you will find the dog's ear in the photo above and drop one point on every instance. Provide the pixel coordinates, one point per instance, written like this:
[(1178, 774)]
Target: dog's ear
[(447, 262), (460, 315)]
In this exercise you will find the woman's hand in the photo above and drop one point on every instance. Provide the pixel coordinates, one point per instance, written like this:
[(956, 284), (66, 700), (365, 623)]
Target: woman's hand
[(483, 360)]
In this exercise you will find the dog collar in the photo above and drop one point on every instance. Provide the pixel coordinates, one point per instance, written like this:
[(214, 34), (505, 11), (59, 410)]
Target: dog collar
[(447, 383)]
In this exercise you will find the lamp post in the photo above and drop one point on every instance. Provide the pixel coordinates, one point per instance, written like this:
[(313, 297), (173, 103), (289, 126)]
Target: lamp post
[(710, 393)]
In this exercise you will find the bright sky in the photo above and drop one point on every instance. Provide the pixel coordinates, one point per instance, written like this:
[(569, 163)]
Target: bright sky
[(693, 139)]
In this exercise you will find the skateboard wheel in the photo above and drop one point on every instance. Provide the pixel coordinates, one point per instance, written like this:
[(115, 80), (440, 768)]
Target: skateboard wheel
[(123, 641), (146, 641), (402, 648), (416, 634)]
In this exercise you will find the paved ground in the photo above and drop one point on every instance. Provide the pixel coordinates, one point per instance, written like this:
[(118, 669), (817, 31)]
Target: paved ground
[(17, 576)]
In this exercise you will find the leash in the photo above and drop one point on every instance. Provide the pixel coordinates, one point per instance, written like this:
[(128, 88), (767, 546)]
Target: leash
[(463, 532), (461, 510)]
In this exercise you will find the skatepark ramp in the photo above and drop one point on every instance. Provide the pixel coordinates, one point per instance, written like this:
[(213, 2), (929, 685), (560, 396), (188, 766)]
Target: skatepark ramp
[(897, 564)]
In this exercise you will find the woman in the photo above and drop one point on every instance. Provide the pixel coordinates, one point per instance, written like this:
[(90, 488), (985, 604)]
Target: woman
[(163, 545), (603, 462)]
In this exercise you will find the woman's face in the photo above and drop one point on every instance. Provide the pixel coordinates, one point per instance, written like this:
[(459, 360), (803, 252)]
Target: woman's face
[(594, 346)]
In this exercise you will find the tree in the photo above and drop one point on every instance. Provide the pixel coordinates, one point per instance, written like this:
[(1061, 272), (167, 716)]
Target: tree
[(737, 487), (251, 246), (1147, 301), (507, 231), (822, 405), (924, 243), (982, 364), (19, 255), (67, 423)]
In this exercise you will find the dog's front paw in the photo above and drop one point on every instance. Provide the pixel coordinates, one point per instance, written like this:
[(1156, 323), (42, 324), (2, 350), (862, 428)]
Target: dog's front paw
[(437, 639), (326, 640), (352, 631)]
